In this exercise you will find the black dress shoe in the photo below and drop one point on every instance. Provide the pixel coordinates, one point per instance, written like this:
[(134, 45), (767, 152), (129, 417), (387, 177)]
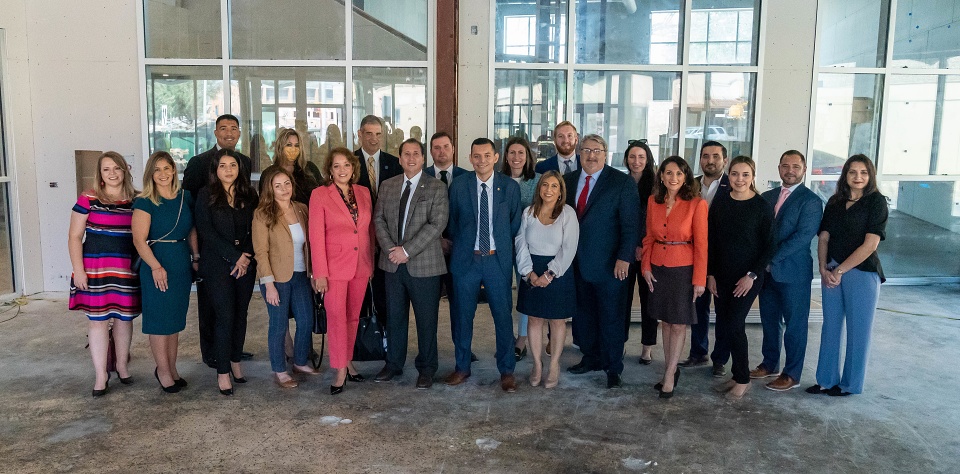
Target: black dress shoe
[(835, 391), (171, 389), (519, 354), (385, 375), (355, 378), (424, 381), (335, 390), (614, 381), (246, 356), (100, 393), (816, 389), (473, 357), (581, 368)]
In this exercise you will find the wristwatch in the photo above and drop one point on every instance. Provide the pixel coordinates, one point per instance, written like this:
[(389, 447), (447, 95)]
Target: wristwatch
[(753, 276)]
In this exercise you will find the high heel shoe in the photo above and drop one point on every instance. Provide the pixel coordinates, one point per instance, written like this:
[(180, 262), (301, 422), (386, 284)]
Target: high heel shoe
[(125, 380), (226, 391), (355, 378), (179, 382), (171, 389), (335, 390), (100, 393), (238, 379), (676, 378), (553, 378)]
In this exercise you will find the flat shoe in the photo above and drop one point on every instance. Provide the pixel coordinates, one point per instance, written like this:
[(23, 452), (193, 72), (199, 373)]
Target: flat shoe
[(285, 384), (815, 389), (725, 386)]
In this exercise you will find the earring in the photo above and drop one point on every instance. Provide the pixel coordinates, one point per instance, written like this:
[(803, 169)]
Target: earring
[(102, 184)]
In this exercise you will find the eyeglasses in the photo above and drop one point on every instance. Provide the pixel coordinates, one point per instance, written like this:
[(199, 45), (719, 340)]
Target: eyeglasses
[(592, 151), (642, 141)]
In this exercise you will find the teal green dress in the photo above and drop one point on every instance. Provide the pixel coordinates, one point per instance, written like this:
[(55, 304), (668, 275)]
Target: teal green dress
[(165, 313)]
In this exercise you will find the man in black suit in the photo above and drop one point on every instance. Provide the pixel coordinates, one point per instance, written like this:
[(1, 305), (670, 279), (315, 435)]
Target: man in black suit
[(195, 177), (608, 208), (376, 166), (714, 184), (443, 152)]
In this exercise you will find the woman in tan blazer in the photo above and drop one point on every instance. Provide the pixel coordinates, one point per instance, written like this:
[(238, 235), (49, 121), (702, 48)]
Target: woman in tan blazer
[(280, 229)]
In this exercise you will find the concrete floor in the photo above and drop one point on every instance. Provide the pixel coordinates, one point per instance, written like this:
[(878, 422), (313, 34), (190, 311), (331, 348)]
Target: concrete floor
[(906, 421)]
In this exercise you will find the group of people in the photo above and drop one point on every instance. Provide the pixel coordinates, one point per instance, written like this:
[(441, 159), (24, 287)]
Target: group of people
[(575, 233)]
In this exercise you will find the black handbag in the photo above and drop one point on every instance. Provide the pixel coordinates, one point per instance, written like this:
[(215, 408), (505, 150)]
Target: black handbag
[(371, 339), (319, 314)]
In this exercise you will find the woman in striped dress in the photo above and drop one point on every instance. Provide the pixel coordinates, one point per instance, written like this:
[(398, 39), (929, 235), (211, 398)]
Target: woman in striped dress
[(101, 247)]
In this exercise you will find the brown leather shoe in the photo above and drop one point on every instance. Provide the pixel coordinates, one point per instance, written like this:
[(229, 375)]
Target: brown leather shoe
[(424, 381), (305, 369), (508, 383), (386, 375), (456, 378), (783, 383), (761, 372), (285, 384)]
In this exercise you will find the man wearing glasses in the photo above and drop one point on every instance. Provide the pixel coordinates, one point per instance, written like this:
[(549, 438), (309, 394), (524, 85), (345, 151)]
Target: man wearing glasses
[(566, 160), (607, 206)]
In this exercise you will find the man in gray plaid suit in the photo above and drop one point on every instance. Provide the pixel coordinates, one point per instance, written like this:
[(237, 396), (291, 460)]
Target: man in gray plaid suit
[(410, 215)]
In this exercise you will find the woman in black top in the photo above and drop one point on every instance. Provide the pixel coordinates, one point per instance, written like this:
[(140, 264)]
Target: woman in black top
[(224, 216), (638, 159), (740, 236), (289, 155), (854, 223)]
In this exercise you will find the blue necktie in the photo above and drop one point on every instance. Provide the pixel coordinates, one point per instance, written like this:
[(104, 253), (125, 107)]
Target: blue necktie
[(484, 230)]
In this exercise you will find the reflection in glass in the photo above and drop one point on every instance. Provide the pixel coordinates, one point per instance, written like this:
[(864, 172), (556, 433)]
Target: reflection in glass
[(853, 34), (724, 32), (287, 29), (7, 281), (531, 31), (390, 29), (622, 106), (183, 103), (629, 32), (528, 103), (927, 34), (397, 95), (308, 99), (720, 108), (182, 29), (848, 120), (925, 113)]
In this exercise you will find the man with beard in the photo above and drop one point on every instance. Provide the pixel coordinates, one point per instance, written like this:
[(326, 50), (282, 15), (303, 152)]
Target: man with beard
[(566, 160), (714, 184)]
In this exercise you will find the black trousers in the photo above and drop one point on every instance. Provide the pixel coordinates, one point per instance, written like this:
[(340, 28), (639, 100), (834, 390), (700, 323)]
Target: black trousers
[(648, 325), (229, 298), (732, 318), (205, 320), (598, 325), (403, 290)]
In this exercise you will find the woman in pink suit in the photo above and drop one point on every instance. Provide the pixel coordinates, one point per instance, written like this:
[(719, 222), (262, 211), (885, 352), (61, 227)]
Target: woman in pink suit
[(341, 246)]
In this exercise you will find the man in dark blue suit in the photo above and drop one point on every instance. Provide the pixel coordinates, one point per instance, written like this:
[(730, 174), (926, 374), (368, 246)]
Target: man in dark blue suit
[(714, 184), (785, 296), (608, 208), (566, 160), (484, 219), (443, 151)]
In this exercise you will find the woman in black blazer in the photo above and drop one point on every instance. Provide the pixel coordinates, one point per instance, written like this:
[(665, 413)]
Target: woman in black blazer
[(224, 215)]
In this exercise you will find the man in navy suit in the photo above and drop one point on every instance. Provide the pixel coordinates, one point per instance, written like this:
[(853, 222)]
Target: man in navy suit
[(566, 160), (608, 208), (785, 296), (484, 219), (376, 166), (714, 184), (443, 152)]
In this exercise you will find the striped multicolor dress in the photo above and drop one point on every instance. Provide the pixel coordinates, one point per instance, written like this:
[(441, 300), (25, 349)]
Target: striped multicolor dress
[(113, 288)]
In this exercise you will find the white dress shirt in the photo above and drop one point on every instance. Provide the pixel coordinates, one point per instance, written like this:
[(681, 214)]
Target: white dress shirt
[(582, 180)]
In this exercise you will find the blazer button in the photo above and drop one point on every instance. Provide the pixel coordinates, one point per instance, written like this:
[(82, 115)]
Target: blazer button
[(355, 248), (354, 232)]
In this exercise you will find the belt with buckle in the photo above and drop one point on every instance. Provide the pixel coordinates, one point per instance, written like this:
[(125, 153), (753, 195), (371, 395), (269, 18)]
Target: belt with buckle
[(477, 252), (674, 242)]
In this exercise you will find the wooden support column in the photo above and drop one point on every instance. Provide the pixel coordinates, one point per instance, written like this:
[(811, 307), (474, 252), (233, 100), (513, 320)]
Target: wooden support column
[(446, 68)]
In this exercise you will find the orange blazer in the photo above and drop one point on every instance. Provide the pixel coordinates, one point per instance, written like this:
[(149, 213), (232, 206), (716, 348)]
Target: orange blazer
[(687, 222), (340, 249)]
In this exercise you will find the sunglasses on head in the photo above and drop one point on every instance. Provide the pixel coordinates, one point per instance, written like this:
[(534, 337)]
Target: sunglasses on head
[(637, 142)]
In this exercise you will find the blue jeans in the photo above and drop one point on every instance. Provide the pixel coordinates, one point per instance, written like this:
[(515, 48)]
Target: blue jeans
[(296, 296), (854, 302)]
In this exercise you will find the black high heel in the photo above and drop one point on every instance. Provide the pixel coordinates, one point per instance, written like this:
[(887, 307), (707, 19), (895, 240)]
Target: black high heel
[(355, 378), (238, 379), (226, 391), (125, 381), (676, 378), (171, 389), (334, 390), (179, 382), (100, 393)]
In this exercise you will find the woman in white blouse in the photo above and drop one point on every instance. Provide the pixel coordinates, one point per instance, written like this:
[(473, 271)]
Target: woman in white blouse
[(546, 245)]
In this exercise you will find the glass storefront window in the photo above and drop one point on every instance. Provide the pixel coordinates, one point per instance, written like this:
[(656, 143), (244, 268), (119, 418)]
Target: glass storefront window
[(927, 34), (719, 108), (847, 120), (189, 30), (398, 96), (724, 31), (531, 31), (528, 103), (629, 33), (390, 29), (622, 106), (287, 29), (183, 103), (308, 99), (853, 34), (925, 113)]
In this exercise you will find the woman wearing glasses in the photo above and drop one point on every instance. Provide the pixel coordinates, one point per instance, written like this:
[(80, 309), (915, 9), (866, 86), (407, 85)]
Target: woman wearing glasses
[(638, 159)]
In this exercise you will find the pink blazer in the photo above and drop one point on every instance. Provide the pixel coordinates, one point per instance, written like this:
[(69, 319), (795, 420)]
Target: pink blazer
[(340, 249)]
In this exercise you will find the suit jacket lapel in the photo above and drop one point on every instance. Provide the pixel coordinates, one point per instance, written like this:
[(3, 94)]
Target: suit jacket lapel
[(597, 187), (335, 195)]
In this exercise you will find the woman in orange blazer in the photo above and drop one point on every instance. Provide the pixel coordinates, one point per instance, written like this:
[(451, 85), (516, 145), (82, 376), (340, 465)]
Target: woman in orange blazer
[(341, 246), (675, 259)]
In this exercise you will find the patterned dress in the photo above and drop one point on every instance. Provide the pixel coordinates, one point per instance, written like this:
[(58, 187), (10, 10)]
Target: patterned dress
[(113, 288)]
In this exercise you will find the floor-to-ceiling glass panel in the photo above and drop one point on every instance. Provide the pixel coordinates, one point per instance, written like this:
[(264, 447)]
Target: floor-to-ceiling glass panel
[(853, 33), (529, 103), (646, 32), (719, 108), (927, 34), (183, 103), (847, 120), (179, 29), (531, 31), (390, 29), (622, 106), (308, 99), (724, 31), (287, 29), (7, 274), (397, 95)]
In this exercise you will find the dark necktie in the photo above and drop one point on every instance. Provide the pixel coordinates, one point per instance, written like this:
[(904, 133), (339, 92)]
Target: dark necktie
[(483, 235), (582, 200), (404, 197), (566, 166), (443, 177)]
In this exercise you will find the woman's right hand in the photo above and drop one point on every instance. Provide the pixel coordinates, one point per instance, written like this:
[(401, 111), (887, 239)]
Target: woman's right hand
[(160, 279), (827, 278), (648, 276), (320, 285), (712, 285), (697, 292), (80, 280), (272, 295)]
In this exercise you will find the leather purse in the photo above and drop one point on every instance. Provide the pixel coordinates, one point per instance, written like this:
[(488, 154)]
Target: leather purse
[(371, 339), (319, 314)]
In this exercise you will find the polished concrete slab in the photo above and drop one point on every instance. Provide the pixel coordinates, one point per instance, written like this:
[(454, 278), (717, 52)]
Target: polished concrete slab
[(906, 421)]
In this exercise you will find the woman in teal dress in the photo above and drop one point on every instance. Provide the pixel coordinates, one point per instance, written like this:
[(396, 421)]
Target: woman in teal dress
[(164, 235)]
